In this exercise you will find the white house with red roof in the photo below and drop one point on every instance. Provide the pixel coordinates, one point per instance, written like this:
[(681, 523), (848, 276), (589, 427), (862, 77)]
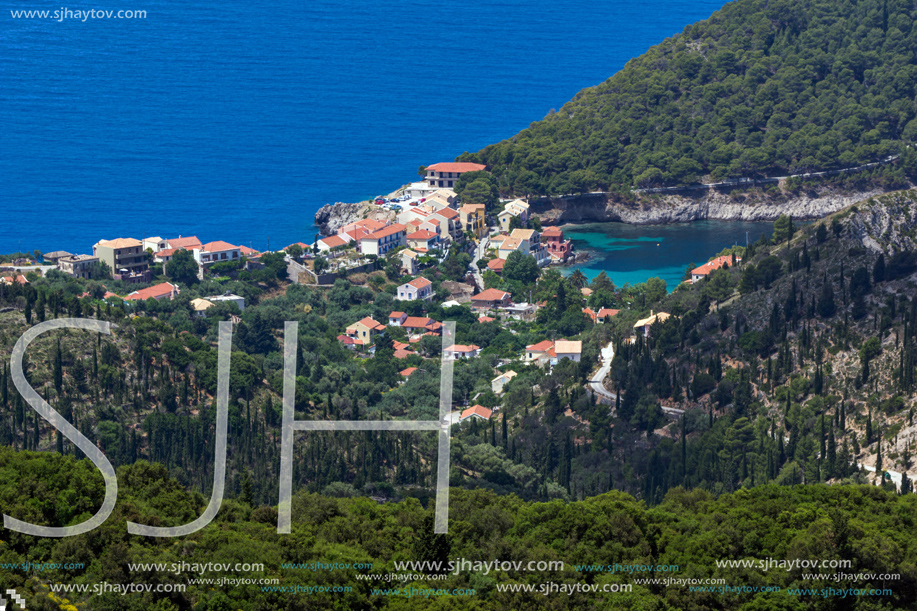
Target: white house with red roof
[(699, 273), (418, 288), (189, 243), (331, 243), (157, 292), (396, 318), (447, 174), (541, 352), (490, 298), (216, 252), (421, 325), (604, 314), (384, 240)]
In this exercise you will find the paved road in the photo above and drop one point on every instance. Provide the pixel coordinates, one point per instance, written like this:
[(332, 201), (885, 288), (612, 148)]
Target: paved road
[(473, 266)]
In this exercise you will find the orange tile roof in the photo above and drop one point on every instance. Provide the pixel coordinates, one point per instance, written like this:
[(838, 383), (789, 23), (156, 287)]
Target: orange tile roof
[(120, 243), (333, 241), (166, 252), (607, 312), (368, 322), (417, 322), (396, 315), (419, 283), (486, 319), (218, 246), (448, 213), (154, 292), (490, 295), (248, 251), (385, 232), (552, 231), (423, 234), (463, 348), (401, 353), (407, 372), (456, 166), (477, 410), (189, 242), (302, 245), (710, 266), (496, 264)]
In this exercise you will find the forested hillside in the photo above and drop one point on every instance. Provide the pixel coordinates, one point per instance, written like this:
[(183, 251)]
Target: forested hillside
[(688, 531), (761, 88)]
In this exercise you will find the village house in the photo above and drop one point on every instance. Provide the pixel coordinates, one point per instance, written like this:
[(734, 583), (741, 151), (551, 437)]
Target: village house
[(643, 325), (604, 314), (699, 273), (55, 256), (418, 288), (459, 351), (15, 279), (590, 314), (418, 190), (501, 380), (189, 243), (228, 297), (409, 263), (154, 244), (363, 331), (200, 307), (125, 257), (330, 244), (447, 174), (476, 411), (421, 325), (214, 252), (157, 292), (496, 265), (471, 217), (540, 353), (490, 298), (556, 246), (567, 349), (422, 240), (514, 209), (78, 266), (384, 240), (530, 244)]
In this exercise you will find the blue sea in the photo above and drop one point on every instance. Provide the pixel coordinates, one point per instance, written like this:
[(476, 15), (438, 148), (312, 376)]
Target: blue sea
[(236, 120)]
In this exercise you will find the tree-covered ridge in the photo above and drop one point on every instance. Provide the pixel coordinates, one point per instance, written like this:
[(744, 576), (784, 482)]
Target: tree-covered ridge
[(761, 88), (870, 527)]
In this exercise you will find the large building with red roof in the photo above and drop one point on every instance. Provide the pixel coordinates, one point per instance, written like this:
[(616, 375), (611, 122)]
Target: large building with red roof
[(384, 240), (447, 174)]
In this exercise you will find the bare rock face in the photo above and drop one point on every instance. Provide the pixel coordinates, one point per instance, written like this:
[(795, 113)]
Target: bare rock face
[(331, 218), (712, 205), (887, 223)]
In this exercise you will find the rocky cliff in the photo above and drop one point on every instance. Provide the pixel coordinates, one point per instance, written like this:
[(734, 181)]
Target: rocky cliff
[(887, 223), (684, 208), (330, 218)]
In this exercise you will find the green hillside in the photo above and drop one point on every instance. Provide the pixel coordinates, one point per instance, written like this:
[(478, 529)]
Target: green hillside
[(761, 88)]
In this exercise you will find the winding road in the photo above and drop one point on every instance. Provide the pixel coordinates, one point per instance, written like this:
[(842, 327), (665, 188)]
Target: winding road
[(596, 382)]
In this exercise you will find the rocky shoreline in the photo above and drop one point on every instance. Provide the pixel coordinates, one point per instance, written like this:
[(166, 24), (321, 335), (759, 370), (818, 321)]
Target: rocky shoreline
[(667, 209)]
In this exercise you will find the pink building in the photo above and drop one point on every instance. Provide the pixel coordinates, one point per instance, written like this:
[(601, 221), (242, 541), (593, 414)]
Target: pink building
[(553, 240)]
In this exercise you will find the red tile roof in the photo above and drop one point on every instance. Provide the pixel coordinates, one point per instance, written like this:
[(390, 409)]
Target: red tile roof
[(401, 353), (543, 346), (396, 315), (456, 166), (302, 245), (369, 323), (486, 319), (248, 251), (407, 372), (448, 213), (607, 312), (496, 264), (552, 232)]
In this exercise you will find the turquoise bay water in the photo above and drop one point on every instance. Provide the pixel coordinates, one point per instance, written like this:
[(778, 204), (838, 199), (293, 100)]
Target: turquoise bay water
[(630, 254)]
